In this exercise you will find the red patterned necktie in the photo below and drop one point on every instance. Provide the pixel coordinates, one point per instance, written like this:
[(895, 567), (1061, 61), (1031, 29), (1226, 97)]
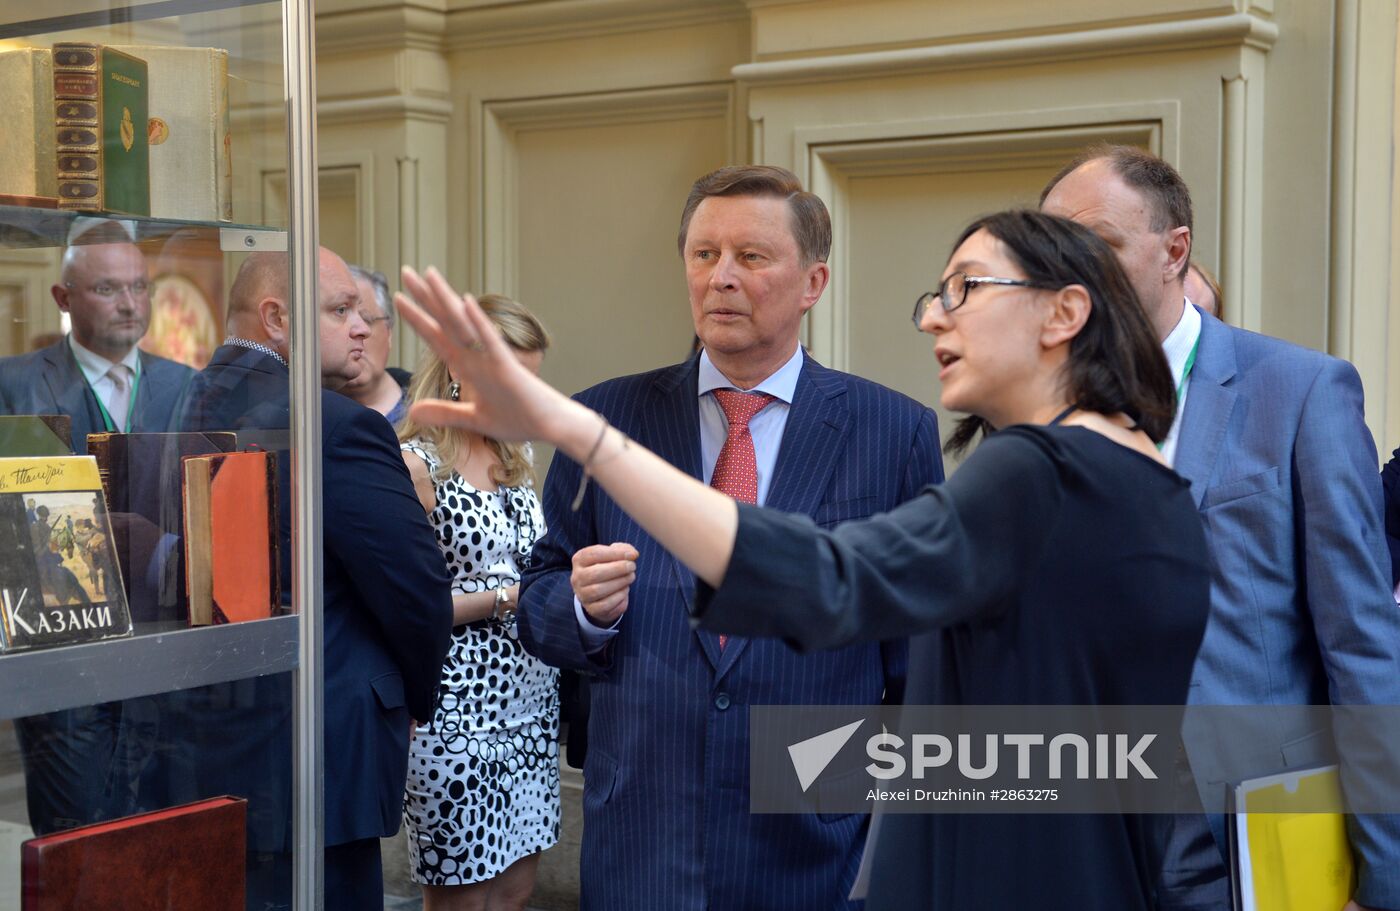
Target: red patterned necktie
[(736, 469)]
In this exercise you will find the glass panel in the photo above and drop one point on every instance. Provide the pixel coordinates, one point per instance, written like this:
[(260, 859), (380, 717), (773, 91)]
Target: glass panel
[(145, 520)]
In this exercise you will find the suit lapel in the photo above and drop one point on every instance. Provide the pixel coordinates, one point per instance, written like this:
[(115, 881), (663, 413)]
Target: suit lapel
[(71, 394), (1209, 402), (817, 425), (146, 391), (671, 429)]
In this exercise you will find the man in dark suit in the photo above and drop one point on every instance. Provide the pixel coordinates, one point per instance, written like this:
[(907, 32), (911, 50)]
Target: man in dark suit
[(1273, 439), (99, 378), (96, 374), (388, 607), (666, 792)]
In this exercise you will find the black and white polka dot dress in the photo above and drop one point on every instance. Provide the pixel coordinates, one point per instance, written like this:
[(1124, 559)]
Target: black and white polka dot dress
[(483, 777)]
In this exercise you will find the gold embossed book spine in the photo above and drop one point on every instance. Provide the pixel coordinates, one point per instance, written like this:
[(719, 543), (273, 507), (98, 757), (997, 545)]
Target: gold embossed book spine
[(101, 114)]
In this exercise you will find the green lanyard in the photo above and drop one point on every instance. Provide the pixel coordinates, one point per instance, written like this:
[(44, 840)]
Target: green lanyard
[(107, 421), (1185, 375)]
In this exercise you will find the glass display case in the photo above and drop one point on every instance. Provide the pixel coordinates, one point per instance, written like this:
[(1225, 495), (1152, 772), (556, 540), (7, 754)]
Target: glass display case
[(159, 547)]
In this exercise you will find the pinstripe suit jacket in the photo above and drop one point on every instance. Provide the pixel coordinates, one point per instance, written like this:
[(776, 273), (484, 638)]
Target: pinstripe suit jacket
[(666, 802)]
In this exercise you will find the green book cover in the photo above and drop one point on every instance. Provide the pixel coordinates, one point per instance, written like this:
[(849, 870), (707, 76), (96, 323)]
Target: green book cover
[(126, 153)]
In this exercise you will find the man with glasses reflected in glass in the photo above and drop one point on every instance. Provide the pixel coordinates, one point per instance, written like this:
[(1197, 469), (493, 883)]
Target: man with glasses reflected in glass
[(97, 376)]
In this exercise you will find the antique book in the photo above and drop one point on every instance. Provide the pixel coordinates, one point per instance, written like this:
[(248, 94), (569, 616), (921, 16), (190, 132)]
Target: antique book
[(59, 579), (186, 858), (100, 119), (231, 557), (188, 131), (27, 142), (29, 202), (142, 479), (35, 435)]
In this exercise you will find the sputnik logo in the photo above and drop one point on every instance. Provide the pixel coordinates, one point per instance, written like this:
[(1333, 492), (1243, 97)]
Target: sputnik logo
[(810, 757)]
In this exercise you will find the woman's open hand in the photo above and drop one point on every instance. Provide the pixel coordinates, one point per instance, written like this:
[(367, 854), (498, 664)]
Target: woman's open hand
[(508, 402)]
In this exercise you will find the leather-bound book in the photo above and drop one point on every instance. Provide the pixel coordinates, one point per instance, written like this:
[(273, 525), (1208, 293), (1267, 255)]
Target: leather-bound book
[(231, 559), (187, 858), (143, 481), (100, 122), (191, 151), (27, 141)]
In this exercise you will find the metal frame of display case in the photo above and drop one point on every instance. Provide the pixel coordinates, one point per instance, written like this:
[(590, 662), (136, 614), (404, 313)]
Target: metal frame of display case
[(54, 679)]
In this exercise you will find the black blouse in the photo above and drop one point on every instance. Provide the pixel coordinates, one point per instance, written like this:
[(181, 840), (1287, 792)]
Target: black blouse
[(1054, 567)]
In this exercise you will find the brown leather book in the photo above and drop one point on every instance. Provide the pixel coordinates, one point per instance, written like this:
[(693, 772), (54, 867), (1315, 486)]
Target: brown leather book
[(231, 565), (143, 483), (186, 858)]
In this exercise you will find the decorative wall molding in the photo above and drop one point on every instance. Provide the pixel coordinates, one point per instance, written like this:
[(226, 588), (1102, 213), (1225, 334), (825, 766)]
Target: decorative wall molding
[(1239, 29), (398, 25), (470, 25), (398, 106), (828, 157), (500, 123)]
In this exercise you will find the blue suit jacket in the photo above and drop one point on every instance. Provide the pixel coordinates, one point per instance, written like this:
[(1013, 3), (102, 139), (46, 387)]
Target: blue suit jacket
[(1281, 465), (71, 756), (388, 619), (666, 793), (49, 381)]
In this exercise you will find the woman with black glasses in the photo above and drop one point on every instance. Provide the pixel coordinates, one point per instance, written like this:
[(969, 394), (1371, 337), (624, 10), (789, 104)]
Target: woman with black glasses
[(1063, 563)]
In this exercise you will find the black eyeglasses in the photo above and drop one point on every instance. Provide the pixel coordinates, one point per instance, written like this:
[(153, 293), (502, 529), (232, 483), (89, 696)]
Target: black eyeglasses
[(952, 293)]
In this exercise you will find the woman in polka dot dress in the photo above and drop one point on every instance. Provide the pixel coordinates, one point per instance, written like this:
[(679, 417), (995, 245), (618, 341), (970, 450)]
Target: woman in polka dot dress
[(482, 799)]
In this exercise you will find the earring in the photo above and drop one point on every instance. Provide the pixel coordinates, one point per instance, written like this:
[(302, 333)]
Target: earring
[(454, 391)]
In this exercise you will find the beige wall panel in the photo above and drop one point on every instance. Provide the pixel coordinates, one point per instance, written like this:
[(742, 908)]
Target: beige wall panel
[(900, 229), (598, 209), (1297, 140), (603, 63), (784, 30)]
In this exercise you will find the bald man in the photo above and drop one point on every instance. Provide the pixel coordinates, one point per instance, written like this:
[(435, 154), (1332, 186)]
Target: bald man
[(98, 377), (388, 603)]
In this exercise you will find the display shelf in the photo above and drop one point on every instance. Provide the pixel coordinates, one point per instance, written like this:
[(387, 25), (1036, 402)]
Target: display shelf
[(74, 14), (52, 679), (28, 227)]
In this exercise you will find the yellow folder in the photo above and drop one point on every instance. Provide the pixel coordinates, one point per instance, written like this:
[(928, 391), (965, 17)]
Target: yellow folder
[(1291, 842)]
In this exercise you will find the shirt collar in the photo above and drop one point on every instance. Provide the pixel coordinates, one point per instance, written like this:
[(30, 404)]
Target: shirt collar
[(782, 384), (1179, 342), (95, 366), (256, 346)]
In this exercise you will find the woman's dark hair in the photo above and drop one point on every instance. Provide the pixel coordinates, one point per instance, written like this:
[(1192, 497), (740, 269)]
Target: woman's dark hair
[(1115, 363)]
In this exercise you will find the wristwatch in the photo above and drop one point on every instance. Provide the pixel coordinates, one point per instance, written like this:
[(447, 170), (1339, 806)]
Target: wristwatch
[(501, 611)]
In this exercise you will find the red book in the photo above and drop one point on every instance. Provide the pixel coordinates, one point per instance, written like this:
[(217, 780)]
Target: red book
[(188, 858)]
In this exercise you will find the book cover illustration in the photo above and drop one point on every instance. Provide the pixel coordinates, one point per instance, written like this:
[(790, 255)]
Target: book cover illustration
[(59, 579)]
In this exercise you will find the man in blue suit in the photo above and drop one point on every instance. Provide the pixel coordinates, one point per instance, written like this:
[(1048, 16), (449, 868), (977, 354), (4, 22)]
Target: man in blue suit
[(388, 606), (99, 378), (1272, 438), (666, 782)]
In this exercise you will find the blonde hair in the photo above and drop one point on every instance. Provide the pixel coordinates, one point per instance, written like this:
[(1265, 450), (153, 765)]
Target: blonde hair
[(523, 332)]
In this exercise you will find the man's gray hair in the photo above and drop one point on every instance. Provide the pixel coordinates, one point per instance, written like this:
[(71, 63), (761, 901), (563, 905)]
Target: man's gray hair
[(380, 284)]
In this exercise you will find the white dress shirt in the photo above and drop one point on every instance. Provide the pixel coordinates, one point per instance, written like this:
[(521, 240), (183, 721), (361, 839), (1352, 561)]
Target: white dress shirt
[(1178, 346), (98, 370)]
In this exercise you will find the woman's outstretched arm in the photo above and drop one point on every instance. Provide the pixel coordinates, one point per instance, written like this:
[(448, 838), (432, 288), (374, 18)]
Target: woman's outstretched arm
[(508, 402)]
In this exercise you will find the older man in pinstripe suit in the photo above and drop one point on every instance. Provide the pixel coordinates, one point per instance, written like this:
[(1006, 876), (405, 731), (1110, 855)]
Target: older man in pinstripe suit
[(666, 790)]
